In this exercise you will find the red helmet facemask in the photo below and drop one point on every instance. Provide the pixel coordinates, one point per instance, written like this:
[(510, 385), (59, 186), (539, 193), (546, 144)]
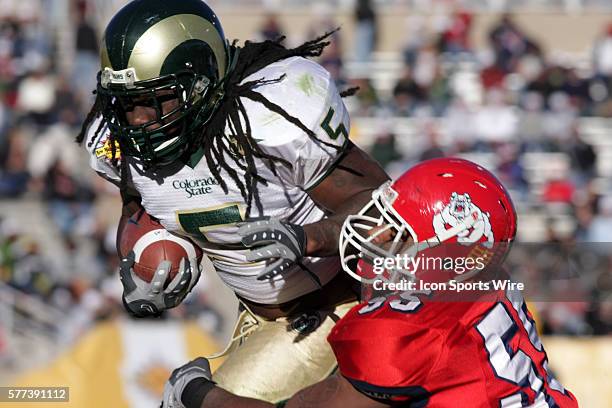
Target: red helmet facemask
[(442, 201)]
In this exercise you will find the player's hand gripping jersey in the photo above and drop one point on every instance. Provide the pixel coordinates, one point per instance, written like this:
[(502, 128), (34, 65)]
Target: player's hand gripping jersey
[(432, 353), (188, 201)]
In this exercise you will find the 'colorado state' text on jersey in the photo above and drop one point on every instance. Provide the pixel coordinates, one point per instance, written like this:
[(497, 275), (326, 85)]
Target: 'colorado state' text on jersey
[(429, 352), (189, 201)]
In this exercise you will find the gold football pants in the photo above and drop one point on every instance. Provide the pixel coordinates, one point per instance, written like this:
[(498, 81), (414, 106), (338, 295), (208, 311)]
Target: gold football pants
[(271, 360)]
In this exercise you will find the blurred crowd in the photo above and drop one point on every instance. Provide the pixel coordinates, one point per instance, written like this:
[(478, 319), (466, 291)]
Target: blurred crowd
[(500, 104)]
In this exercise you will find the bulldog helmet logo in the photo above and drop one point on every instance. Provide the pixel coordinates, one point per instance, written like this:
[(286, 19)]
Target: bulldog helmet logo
[(456, 211)]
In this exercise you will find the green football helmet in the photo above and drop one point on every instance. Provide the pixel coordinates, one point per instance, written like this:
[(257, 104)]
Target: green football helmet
[(155, 51)]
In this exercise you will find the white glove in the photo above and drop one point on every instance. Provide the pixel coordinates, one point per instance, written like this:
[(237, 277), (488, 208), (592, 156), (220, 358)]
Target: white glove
[(143, 299)]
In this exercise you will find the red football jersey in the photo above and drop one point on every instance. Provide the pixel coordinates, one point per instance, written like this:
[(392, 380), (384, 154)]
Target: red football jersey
[(434, 353)]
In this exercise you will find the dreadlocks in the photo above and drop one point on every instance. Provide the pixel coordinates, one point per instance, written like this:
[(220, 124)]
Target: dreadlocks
[(231, 114)]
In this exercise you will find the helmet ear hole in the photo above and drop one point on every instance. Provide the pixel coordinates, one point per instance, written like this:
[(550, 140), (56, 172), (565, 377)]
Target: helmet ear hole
[(201, 85)]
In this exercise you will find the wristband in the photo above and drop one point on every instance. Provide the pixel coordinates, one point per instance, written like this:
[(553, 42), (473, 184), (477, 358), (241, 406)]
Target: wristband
[(195, 392)]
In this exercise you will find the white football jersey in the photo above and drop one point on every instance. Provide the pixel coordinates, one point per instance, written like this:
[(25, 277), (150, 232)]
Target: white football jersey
[(188, 201)]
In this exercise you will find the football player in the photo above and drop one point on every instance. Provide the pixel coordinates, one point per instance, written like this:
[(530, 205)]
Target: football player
[(418, 349), (244, 150)]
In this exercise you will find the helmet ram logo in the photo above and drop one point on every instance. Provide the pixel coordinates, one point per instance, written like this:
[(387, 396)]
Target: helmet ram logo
[(459, 208)]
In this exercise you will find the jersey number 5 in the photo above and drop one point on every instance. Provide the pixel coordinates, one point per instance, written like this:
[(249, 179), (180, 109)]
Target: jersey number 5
[(497, 329), (326, 126), (198, 223)]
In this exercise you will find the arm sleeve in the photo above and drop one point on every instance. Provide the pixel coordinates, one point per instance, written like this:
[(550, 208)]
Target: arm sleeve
[(314, 159), (308, 93)]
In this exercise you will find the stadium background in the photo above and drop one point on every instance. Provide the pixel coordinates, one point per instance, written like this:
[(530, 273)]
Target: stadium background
[(526, 94)]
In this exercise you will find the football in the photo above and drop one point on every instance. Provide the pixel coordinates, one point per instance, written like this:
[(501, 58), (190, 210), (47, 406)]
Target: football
[(152, 244)]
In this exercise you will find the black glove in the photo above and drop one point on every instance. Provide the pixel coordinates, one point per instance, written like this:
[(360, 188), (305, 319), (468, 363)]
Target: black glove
[(281, 243)]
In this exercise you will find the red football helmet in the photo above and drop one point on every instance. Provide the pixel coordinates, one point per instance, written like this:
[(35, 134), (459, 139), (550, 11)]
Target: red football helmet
[(449, 200)]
